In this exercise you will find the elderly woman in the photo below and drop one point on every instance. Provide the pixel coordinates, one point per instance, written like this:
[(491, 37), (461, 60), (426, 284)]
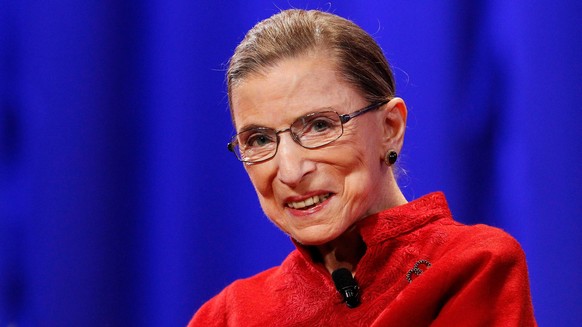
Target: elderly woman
[(319, 129)]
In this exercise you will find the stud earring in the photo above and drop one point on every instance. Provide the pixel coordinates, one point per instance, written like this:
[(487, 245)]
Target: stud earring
[(390, 158)]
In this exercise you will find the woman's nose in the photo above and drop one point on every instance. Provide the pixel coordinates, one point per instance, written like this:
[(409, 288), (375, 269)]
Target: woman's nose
[(293, 162)]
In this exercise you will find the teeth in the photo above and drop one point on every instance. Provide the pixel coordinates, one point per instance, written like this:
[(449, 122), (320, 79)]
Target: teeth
[(308, 202)]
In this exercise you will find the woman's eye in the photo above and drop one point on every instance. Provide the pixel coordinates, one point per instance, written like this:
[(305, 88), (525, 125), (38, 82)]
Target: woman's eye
[(258, 140), (320, 125)]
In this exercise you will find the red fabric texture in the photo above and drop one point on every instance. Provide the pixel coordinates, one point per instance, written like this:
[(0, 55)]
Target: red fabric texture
[(477, 277)]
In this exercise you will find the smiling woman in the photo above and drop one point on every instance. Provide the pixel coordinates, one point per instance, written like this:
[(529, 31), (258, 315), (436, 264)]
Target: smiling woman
[(342, 172), (319, 129)]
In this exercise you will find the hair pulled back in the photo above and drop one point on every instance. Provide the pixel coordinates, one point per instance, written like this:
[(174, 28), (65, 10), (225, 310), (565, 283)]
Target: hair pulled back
[(295, 32)]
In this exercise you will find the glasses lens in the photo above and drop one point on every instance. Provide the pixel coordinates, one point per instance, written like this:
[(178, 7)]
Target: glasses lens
[(256, 144), (317, 129)]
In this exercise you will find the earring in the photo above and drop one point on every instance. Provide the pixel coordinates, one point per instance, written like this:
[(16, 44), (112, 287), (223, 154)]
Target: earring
[(390, 158)]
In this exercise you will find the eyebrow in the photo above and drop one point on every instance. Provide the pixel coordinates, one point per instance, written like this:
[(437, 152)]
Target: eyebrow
[(251, 127), (256, 126)]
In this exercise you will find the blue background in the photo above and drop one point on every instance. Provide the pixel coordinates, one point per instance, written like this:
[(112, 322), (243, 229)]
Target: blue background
[(120, 205)]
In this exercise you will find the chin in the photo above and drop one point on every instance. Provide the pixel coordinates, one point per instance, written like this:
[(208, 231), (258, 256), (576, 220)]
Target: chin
[(314, 238)]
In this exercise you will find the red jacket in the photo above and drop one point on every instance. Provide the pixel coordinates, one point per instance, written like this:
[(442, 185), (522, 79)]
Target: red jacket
[(464, 276)]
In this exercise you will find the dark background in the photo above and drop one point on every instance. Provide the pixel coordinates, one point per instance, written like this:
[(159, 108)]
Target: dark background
[(120, 205)]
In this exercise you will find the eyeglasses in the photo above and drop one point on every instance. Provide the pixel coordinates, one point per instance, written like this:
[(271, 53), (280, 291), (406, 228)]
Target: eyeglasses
[(311, 131)]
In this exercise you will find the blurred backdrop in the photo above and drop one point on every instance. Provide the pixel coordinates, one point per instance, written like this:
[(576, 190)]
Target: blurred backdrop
[(120, 205)]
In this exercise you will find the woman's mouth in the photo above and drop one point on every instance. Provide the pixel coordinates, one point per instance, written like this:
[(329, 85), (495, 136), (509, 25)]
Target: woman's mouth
[(309, 202)]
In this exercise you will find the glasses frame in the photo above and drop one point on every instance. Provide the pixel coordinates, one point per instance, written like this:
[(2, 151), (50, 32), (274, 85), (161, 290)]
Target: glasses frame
[(343, 120)]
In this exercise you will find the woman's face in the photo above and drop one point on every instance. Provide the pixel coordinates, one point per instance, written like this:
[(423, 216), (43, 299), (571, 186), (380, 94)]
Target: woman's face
[(345, 179)]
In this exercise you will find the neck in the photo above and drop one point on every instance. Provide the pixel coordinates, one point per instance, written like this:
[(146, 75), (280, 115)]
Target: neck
[(347, 250), (343, 252)]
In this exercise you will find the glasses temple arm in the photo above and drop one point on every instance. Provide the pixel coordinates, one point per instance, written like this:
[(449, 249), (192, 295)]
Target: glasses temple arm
[(347, 117)]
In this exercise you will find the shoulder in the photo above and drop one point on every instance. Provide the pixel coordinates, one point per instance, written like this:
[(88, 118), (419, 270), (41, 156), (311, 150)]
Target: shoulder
[(243, 297), (484, 238), (482, 272), (480, 246), (217, 310)]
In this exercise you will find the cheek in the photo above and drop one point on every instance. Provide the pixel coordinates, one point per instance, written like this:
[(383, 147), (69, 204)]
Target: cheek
[(357, 151), (262, 181), (360, 167), (261, 178), (362, 134)]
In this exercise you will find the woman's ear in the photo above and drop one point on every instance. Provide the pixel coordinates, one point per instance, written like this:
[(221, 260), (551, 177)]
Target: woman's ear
[(394, 123)]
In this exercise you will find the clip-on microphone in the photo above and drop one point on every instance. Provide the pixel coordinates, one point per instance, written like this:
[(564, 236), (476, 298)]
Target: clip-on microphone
[(347, 286)]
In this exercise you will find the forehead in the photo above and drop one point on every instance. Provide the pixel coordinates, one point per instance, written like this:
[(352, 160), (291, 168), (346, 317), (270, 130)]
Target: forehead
[(292, 88)]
